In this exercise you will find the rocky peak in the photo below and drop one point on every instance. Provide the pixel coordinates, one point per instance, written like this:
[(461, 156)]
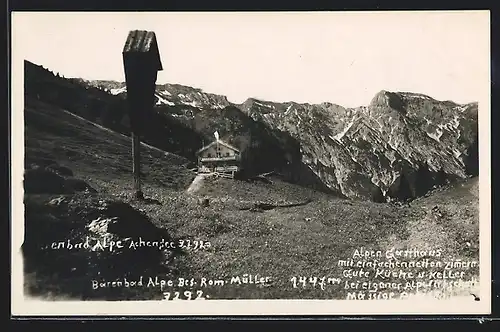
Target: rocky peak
[(386, 99)]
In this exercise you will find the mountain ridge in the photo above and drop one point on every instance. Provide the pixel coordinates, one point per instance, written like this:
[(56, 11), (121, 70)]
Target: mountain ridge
[(399, 146), (118, 85), (393, 105)]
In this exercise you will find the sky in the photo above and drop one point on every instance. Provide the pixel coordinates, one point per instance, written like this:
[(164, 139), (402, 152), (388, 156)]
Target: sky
[(339, 57)]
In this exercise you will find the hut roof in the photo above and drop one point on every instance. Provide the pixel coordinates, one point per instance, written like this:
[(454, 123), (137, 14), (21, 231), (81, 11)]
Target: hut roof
[(221, 143)]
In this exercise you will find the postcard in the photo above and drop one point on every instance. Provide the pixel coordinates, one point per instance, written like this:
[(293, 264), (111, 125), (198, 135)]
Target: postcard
[(250, 163)]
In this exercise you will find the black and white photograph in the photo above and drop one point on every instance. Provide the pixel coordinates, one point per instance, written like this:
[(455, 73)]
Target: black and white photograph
[(250, 163)]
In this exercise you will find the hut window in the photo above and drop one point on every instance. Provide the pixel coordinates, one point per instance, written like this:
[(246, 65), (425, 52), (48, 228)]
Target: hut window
[(227, 154), (209, 155)]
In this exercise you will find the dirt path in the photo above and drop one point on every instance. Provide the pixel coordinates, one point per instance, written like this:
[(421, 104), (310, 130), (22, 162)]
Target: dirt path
[(196, 184)]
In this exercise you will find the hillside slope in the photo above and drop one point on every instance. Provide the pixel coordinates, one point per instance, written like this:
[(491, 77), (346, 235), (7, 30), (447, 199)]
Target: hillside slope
[(55, 134)]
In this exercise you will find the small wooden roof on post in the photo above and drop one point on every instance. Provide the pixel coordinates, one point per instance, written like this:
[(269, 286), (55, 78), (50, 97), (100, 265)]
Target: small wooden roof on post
[(141, 62), (143, 43)]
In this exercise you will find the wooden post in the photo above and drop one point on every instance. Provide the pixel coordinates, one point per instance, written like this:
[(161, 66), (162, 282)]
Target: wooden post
[(141, 61), (136, 161)]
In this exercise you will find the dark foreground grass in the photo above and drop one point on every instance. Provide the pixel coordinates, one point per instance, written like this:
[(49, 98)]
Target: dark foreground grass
[(278, 244)]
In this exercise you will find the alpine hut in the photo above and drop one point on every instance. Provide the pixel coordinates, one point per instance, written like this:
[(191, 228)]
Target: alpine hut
[(219, 157)]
